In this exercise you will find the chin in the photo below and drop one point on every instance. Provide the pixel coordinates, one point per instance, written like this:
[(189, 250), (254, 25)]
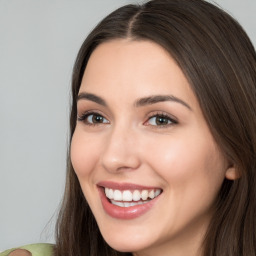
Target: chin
[(126, 242), (126, 245)]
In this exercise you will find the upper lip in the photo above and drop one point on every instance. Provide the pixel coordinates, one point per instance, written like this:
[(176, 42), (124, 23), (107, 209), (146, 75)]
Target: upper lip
[(124, 186)]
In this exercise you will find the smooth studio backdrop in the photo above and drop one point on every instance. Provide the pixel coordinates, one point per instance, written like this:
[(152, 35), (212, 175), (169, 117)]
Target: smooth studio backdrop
[(39, 40)]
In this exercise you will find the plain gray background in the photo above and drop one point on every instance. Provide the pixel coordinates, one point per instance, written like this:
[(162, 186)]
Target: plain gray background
[(39, 40)]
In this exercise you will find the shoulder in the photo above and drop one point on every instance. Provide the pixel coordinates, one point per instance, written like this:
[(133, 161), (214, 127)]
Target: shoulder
[(30, 250)]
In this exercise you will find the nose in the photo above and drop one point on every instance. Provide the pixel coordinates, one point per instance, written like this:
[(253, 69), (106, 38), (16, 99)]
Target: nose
[(120, 152)]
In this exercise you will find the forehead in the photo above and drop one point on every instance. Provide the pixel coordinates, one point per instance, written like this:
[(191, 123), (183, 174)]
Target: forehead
[(128, 55), (129, 67)]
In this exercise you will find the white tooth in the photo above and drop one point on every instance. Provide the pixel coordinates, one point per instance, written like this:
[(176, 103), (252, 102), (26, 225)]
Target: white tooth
[(107, 192), (120, 204), (118, 195), (144, 194), (127, 195), (151, 194), (157, 192), (136, 195), (126, 204), (130, 204), (110, 194)]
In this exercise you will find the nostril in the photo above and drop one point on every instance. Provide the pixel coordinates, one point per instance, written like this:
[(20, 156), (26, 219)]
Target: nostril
[(119, 155)]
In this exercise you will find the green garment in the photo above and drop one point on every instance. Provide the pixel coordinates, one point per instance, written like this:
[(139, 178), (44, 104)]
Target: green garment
[(35, 249)]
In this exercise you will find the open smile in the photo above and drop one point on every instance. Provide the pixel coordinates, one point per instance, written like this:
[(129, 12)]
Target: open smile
[(127, 201)]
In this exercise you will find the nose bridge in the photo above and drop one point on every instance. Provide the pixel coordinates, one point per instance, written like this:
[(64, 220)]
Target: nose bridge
[(120, 150)]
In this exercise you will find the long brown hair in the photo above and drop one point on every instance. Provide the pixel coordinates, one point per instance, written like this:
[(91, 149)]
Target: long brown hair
[(219, 62)]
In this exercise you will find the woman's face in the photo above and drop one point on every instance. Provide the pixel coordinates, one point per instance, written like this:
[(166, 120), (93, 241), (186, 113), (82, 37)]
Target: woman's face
[(141, 139)]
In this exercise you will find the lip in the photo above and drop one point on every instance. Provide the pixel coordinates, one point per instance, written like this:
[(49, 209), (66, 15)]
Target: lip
[(123, 186), (125, 213)]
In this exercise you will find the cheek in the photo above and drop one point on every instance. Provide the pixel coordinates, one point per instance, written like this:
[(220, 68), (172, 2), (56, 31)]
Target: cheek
[(84, 154), (192, 174), (188, 163)]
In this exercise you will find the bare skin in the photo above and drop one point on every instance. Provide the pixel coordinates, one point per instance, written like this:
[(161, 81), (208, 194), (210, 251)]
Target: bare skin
[(20, 252), (150, 132)]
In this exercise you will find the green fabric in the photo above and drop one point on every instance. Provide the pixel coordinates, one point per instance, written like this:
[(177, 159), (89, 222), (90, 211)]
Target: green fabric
[(35, 249)]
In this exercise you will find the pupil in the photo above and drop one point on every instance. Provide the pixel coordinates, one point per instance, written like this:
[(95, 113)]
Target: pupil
[(97, 119), (161, 120)]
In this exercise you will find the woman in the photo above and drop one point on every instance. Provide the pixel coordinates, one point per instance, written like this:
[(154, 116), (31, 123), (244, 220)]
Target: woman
[(162, 149), (163, 101)]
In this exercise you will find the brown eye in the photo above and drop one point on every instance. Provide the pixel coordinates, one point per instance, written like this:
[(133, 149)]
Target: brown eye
[(160, 120), (93, 118), (96, 119)]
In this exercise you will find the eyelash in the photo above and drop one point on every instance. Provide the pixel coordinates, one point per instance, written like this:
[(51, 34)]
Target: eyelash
[(172, 121), (84, 116)]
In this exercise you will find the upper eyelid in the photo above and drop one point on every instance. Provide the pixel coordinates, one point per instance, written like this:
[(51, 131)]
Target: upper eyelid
[(162, 113), (146, 118), (88, 112)]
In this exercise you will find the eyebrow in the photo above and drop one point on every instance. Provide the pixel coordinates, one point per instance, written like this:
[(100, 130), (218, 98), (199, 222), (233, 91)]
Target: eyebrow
[(160, 98), (138, 103), (91, 97)]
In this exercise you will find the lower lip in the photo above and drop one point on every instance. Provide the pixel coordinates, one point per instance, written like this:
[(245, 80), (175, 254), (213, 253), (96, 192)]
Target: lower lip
[(125, 213)]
